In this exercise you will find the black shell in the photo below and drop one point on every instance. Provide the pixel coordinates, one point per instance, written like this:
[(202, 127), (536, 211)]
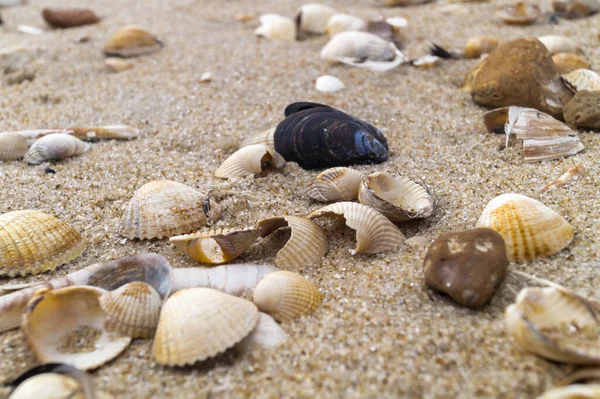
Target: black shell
[(318, 136)]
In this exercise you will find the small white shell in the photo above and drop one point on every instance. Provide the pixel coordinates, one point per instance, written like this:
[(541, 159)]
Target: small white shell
[(328, 84), (12, 146), (266, 334), (582, 79), (247, 161), (55, 146), (560, 44), (313, 17), (277, 27), (343, 23)]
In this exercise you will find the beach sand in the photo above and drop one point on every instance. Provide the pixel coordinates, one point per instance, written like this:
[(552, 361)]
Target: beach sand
[(379, 331)]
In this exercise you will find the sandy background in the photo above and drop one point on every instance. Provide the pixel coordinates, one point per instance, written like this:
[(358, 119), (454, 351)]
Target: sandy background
[(379, 332)]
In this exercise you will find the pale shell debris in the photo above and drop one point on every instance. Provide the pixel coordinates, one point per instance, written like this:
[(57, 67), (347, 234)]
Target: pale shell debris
[(267, 334), (313, 17), (114, 64), (276, 27), (328, 84)]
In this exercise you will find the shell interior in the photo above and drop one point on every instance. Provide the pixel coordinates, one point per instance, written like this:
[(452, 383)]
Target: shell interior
[(335, 184)]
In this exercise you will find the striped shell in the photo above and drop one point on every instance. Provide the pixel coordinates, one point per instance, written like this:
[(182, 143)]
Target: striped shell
[(131, 41), (582, 79), (568, 62), (247, 161), (530, 229), (33, 242), (266, 334), (276, 27), (336, 184), (199, 323), (162, 208), (374, 232), (55, 146), (12, 146)]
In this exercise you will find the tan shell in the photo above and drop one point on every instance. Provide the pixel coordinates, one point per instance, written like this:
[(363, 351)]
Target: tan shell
[(132, 309), (582, 79), (396, 197), (307, 244), (477, 46), (33, 242), (66, 326), (520, 14), (56, 146), (312, 18), (556, 324), (276, 27), (343, 23), (266, 334), (216, 246), (162, 208), (131, 41), (52, 386), (199, 323), (568, 62), (13, 146), (576, 391), (115, 64), (286, 295), (247, 161), (374, 232), (336, 184), (530, 229), (560, 44)]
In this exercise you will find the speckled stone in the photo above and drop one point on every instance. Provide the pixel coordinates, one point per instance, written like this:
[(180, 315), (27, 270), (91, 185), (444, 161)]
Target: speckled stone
[(584, 110), (467, 265)]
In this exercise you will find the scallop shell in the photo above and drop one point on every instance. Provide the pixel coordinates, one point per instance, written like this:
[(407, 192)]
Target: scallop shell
[(132, 309), (568, 62), (374, 232), (336, 184), (286, 295), (13, 146), (556, 324), (396, 197), (582, 79), (328, 84), (52, 386), (267, 334), (162, 208), (131, 41), (66, 325), (306, 246), (199, 323), (276, 27), (56, 146), (477, 46), (216, 247), (576, 391), (33, 242), (313, 17), (560, 44), (69, 17), (520, 14), (530, 229), (247, 161), (343, 23)]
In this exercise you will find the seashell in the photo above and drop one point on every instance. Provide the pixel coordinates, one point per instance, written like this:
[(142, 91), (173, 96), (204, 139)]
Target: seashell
[(480, 45), (306, 246), (427, 61), (162, 208), (336, 184), (199, 323), (530, 229), (320, 136), (267, 334), (114, 64), (49, 380), (396, 197), (568, 62), (584, 109), (362, 49), (216, 246), (582, 79), (131, 41), (576, 391), (574, 9), (132, 309), (33, 242), (560, 44), (328, 84), (276, 27), (374, 232), (119, 132), (13, 146), (313, 17), (404, 3), (266, 137), (69, 17), (286, 295), (66, 325), (343, 23), (570, 175), (56, 146), (251, 160), (520, 14), (556, 324)]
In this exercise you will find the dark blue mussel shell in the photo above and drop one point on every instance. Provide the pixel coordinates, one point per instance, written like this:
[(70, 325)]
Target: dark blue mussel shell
[(318, 136)]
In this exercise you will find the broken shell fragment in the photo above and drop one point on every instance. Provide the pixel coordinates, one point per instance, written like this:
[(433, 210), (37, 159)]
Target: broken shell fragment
[(343, 23), (570, 175), (582, 79), (69, 17), (584, 110), (115, 64), (162, 208), (199, 323), (573, 9), (286, 295), (560, 44), (396, 197), (251, 160), (276, 27), (13, 146), (131, 41), (556, 324), (313, 17), (267, 334), (568, 62), (336, 184), (307, 244), (33, 242), (66, 325), (216, 247), (374, 232), (478, 46), (56, 146), (520, 14), (328, 84), (530, 229), (119, 132)]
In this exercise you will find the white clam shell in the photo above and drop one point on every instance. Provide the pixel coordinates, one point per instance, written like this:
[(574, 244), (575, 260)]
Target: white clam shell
[(267, 334), (13, 146), (582, 79), (328, 84), (313, 17), (560, 44), (55, 146), (276, 27), (343, 23)]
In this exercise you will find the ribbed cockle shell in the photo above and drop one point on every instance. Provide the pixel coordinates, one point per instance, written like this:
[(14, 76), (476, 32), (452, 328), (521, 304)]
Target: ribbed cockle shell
[(13, 146), (336, 184), (56, 146)]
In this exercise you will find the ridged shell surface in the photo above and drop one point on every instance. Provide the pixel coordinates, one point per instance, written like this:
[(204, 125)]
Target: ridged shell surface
[(247, 161), (33, 242), (55, 146), (583, 79), (266, 334), (530, 229), (13, 146), (336, 184), (343, 23), (131, 41)]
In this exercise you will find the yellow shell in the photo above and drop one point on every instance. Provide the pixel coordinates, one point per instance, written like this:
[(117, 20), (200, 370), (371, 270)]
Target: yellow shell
[(374, 232), (477, 46), (286, 295), (530, 229), (33, 242), (131, 41), (568, 62), (199, 323), (216, 247), (335, 184), (247, 161), (582, 79), (132, 309), (162, 208), (12, 146)]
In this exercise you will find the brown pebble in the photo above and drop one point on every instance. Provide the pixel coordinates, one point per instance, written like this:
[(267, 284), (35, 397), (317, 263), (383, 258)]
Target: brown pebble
[(69, 17), (467, 265), (584, 110)]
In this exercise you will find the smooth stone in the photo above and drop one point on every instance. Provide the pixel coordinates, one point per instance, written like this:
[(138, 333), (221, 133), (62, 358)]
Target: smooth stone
[(584, 110)]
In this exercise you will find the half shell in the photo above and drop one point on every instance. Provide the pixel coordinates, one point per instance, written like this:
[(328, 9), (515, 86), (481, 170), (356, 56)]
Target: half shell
[(520, 14), (582, 79), (560, 44), (33, 242), (374, 232), (343, 23), (286, 295), (568, 62), (336, 184), (162, 208), (131, 41), (66, 325), (13, 146), (56, 146), (247, 161), (199, 323), (276, 27), (530, 229), (312, 18), (53, 386), (266, 334)]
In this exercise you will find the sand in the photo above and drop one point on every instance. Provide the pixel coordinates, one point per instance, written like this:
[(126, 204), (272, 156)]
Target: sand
[(379, 332)]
